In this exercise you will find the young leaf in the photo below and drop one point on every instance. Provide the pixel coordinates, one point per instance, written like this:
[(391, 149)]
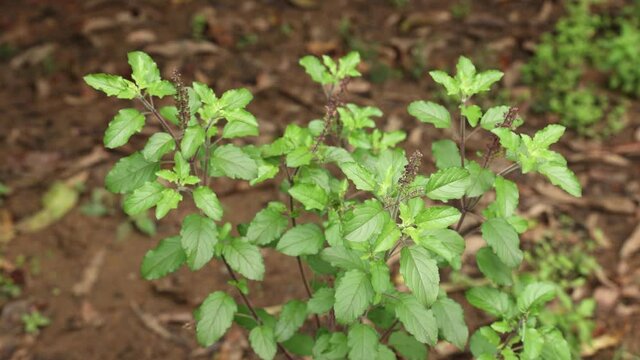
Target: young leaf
[(130, 173), (311, 196), (472, 113), (561, 176), (207, 201), (363, 342), (235, 99), (503, 239), (483, 81), (450, 84), (193, 138), (299, 344), (347, 65), (447, 184), (240, 123), (420, 273), (306, 239), (298, 157), (506, 197), (167, 257), (490, 300), (366, 221), (231, 161), (437, 217), (484, 343), (263, 342), (407, 346), (533, 343), (144, 70), (161, 89), (143, 198), (315, 69), (446, 154), (429, 112), (244, 258), (481, 179), (199, 236), (417, 320), (493, 117), (214, 317), (126, 123), (112, 85), (535, 294), (508, 139), (450, 318), (547, 136), (492, 267), (443, 242), (322, 301), (361, 177), (353, 295), (555, 346), (268, 224), (158, 145), (293, 315), (169, 201)]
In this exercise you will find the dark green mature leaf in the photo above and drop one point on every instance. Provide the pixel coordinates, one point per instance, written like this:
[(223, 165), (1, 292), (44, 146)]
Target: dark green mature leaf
[(193, 138), (420, 273), (506, 197), (167, 257), (430, 112), (207, 201), (446, 154), (490, 300), (322, 301), (437, 217), (503, 239), (535, 294), (231, 161), (380, 277), (240, 123), (169, 201), (310, 195), (214, 317), (484, 342), (299, 344), (353, 295), (144, 70), (263, 342), (158, 145), (331, 347), (450, 318), (407, 346), (363, 342), (244, 258), (112, 85), (143, 198), (293, 315), (268, 224), (367, 220), (561, 176), (343, 258), (447, 184), (417, 320), (306, 239), (130, 173), (126, 123), (199, 236), (492, 267)]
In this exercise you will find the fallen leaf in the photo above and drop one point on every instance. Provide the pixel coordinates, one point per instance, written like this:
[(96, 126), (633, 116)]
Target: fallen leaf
[(90, 274), (57, 202)]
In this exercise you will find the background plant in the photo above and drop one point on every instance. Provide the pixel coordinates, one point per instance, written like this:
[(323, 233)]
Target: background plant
[(355, 202)]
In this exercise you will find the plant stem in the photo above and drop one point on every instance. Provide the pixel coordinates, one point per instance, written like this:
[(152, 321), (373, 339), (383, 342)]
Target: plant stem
[(508, 169), (389, 330), (161, 119)]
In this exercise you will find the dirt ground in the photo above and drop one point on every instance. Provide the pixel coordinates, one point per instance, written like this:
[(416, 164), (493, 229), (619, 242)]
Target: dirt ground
[(83, 270)]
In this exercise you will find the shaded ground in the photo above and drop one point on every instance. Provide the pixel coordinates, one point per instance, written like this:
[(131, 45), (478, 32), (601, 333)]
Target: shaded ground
[(52, 127)]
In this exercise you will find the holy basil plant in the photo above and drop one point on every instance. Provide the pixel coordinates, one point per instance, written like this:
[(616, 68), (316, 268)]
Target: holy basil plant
[(371, 209)]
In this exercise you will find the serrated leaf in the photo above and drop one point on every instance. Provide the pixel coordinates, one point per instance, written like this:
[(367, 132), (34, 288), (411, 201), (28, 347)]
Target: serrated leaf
[(299, 344), (416, 319), (493, 117), (158, 145), (504, 241), (507, 196), (231, 161), (268, 224), (547, 136), (363, 342), (430, 112), (169, 201), (446, 154), (235, 99), (481, 179), (420, 273), (447, 184), (263, 342), (508, 139), (322, 301), (112, 85), (561, 176), (437, 217), (207, 201), (126, 123), (450, 318), (366, 221), (143, 198), (490, 300), (450, 84), (167, 257), (240, 123), (444, 242), (315, 69), (533, 343), (484, 343), (347, 65), (361, 178), (492, 267), (214, 317), (388, 237), (535, 294), (130, 173), (293, 315), (555, 346), (472, 113), (353, 295), (244, 258), (407, 346), (343, 258), (161, 89), (144, 69), (199, 236), (331, 347), (483, 81), (310, 195), (192, 139), (380, 277), (306, 239)]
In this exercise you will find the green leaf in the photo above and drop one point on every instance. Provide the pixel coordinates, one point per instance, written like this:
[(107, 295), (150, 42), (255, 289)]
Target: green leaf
[(437, 217), (555, 346), (144, 69), (481, 179), (193, 138), (347, 65), (429, 112), (506, 197), (166, 258), (388, 237), (561, 176), (231, 161), (298, 157), (450, 318), (492, 267), (199, 236), (214, 317), (112, 85), (240, 123), (363, 342), (268, 224), (143, 198), (447, 184), (407, 346), (310, 195), (236, 99), (130, 173), (343, 258), (300, 344), (263, 342), (483, 81), (331, 347), (366, 221), (493, 117), (450, 84), (169, 201), (126, 123), (293, 315), (380, 277), (315, 69), (161, 89), (353, 296), (322, 301), (207, 201), (416, 319), (535, 294), (446, 154), (443, 242), (158, 145), (503, 239), (361, 177), (420, 273), (533, 343), (547, 136), (244, 258), (508, 139), (181, 166), (490, 300), (306, 239), (472, 113), (385, 353), (484, 342)]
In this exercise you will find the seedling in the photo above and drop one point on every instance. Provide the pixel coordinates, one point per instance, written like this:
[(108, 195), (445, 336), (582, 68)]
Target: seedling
[(34, 321), (369, 202)]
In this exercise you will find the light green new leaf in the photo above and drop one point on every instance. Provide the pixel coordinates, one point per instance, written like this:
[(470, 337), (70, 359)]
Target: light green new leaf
[(244, 258), (353, 296), (388, 236), (322, 301), (420, 273), (561, 176), (207, 201), (235, 99), (268, 224), (144, 70), (166, 258), (407, 346), (493, 117), (443, 242), (507, 196), (437, 217), (169, 201), (417, 320), (508, 139), (492, 267), (555, 346), (263, 342), (193, 138), (306, 239), (363, 342), (214, 317), (347, 65), (310, 195), (315, 69), (231, 161), (430, 112), (450, 318), (199, 236), (481, 179), (130, 173), (298, 157), (446, 154), (126, 123), (367, 220), (547, 136), (490, 300), (361, 177), (293, 315), (240, 123), (503, 239), (161, 89), (472, 113), (158, 145), (483, 81), (112, 85), (385, 353), (535, 294), (450, 84), (484, 343), (533, 343), (447, 184), (143, 198)]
